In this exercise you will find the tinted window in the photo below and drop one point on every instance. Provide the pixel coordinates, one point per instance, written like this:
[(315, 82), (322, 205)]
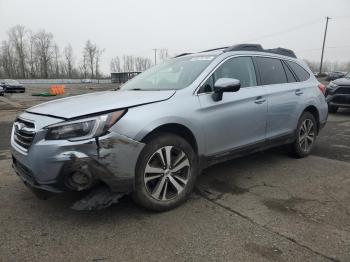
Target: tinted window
[(290, 76), (301, 73), (271, 71), (240, 68)]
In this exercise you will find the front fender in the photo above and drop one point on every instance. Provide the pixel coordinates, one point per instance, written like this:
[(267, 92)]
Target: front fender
[(199, 136)]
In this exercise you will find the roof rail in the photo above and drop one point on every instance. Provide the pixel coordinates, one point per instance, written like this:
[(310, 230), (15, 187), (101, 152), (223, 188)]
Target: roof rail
[(214, 49), (244, 47), (259, 48), (183, 54), (281, 51)]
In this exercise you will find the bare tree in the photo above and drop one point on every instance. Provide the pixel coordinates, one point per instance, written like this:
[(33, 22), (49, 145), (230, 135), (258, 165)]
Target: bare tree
[(163, 54), (142, 63), (17, 39), (44, 49), (84, 66), (128, 63), (115, 64), (90, 51), (97, 61), (56, 60), (7, 59), (33, 61), (69, 60)]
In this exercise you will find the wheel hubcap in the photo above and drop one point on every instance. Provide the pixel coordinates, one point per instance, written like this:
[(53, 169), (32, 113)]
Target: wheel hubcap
[(167, 173), (306, 135)]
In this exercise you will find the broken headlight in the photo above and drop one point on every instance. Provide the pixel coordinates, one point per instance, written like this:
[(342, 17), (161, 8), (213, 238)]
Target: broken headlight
[(85, 128)]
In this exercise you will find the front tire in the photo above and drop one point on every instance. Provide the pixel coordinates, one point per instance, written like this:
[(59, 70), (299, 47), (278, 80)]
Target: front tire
[(165, 173), (305, 136)]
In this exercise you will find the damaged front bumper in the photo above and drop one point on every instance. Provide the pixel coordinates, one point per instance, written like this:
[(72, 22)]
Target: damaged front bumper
[(59, 166)]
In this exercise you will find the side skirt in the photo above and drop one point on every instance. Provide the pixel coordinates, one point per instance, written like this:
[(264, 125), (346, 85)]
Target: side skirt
[(206, 161)]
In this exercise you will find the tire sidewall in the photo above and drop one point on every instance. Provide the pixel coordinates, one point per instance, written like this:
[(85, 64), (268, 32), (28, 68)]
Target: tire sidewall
[(299, 152), (141, 195)]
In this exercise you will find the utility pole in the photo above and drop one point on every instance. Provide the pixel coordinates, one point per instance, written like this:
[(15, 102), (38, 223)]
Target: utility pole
[(155, 56), (324, 41)]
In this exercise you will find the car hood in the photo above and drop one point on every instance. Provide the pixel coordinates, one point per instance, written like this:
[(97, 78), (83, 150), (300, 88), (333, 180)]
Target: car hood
[(92, 103), (342, 81)]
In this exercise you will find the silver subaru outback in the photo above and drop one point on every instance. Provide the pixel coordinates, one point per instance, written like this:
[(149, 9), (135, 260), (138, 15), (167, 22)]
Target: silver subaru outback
[(153, 137)]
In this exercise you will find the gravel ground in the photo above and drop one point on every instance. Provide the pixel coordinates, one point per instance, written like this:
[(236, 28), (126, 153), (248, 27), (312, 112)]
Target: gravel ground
[(264, 207)]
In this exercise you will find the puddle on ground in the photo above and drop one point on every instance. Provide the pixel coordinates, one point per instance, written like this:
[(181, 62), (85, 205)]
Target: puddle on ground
[(224, 187), (270, 253), (283, 205)]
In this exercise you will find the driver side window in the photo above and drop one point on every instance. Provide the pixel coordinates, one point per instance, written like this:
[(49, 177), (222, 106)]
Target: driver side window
[(241, 68)]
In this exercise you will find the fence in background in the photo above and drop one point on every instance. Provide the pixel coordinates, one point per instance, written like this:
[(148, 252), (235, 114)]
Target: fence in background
[(63, 81)]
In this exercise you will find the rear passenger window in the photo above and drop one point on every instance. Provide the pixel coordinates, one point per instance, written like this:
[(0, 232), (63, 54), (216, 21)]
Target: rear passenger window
[(271, 71), (301, 73), (290, 76)]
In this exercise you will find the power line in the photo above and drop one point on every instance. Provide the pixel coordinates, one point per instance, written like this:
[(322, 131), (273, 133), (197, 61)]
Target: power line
[(286, 30), (328, 47)]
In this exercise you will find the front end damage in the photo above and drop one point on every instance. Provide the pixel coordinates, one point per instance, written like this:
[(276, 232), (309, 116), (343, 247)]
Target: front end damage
[(104, 167)]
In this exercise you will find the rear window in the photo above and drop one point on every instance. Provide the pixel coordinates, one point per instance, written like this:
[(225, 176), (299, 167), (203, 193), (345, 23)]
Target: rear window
[(300, 72), (271, 71)]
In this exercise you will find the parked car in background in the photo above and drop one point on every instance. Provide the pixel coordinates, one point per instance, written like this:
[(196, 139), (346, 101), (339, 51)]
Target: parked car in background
[(2, 91), (334, 75), (338, 93), (10, 85), (154, 136), (86, 81)]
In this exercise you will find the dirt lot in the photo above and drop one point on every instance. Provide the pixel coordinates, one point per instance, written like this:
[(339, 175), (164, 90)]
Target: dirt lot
[(265, 207)]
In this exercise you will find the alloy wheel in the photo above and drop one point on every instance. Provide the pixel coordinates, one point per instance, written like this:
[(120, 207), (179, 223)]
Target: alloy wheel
[(167, 173), (306, 135)]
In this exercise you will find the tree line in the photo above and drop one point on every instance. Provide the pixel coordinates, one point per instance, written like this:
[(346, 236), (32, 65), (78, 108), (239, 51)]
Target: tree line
[(328, 66), (130, 63), (28, 54)]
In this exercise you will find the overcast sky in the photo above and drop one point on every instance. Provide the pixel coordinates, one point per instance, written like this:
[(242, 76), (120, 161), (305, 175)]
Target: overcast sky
[(136, 27)]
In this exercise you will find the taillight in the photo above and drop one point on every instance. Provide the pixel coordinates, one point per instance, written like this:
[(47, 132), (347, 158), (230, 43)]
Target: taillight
[(322, 87)]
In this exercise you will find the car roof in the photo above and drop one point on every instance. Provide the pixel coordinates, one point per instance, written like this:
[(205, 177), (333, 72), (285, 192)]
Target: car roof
[(248, 49)]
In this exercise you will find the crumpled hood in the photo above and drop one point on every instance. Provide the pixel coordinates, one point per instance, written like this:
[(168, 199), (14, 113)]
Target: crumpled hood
[(342, 81), (91, 103)]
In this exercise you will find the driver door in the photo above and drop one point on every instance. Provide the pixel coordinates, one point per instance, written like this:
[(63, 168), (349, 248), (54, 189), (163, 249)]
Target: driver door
[(239, 119)]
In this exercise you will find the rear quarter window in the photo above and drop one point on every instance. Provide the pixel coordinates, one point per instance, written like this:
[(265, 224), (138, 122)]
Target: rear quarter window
[(299, 71)]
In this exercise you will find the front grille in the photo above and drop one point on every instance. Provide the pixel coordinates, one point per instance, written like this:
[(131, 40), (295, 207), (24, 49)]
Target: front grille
[(24, 132), (343, 90)]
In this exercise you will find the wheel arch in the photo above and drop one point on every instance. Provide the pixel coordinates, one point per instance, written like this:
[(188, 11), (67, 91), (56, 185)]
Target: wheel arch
[(314, 111), (173, 128)]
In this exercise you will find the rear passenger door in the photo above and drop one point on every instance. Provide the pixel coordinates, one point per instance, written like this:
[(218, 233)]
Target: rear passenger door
[(284, 96)]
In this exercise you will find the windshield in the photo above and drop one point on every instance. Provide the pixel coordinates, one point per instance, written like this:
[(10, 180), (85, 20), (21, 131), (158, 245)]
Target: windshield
[(174, 74), (11, 82)]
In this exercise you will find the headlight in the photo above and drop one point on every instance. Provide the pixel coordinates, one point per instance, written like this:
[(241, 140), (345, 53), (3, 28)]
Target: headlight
[(83, 128)]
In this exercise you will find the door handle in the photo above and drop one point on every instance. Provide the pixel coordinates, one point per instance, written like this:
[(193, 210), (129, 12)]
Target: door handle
[(299, 92), (259, 100)]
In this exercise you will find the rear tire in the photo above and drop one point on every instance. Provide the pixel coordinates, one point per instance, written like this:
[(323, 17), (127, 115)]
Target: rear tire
[(305, 136), (332, 109), (165, 174)]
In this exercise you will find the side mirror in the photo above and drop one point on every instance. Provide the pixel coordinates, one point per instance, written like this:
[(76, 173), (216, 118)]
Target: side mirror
[(225, 85)]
